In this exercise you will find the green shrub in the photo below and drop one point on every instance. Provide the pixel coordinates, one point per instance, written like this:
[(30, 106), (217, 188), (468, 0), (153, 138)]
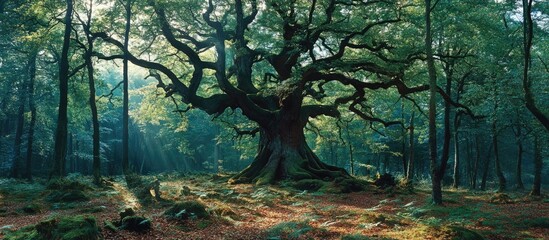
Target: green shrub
[(186, 210), (25, 233)]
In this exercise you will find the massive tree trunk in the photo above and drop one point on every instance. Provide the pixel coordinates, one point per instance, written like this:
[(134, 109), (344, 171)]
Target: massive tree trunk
[(32, 124), (60, 151), (284, 154)]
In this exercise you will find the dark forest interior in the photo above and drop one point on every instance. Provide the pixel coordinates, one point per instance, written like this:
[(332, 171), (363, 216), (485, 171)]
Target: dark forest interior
[(271, 119)]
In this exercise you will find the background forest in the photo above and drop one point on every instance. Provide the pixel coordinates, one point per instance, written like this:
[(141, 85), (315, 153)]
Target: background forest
[(438, 93)]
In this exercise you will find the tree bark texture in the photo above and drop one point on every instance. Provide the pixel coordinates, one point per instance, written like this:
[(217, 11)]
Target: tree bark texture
[(436, 178), (125, 116), (538, 165), (60, 151), (32, 107)]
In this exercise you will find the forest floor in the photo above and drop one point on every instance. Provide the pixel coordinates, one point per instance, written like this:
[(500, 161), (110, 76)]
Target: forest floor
[(246, 211)]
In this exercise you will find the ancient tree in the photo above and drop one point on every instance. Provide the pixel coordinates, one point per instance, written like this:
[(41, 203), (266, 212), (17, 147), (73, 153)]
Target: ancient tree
[(280, 63)]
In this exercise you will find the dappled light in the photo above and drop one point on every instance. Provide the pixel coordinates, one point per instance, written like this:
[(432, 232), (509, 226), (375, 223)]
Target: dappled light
[(273, 119)]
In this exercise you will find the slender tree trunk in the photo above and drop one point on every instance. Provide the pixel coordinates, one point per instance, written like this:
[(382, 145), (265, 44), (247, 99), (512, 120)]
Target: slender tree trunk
[(528, 32), (403, 134), (445, 155), (499, 172), (538, 165), (125, 116), (60, 151), (410, 171), (16, 166), (32, 107), (95, 118), (436, 178), (477, 162), (96, 164), (486, 168), (456, 161), (520, 151)]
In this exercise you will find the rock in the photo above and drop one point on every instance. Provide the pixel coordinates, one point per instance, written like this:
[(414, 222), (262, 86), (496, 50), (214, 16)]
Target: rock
[(384, 181), (128, 212), (308, 184), (135, 224), (187, 210)]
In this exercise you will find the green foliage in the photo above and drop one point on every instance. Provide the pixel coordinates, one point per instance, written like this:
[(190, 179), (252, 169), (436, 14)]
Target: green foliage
[(187, 210), (288, 230)]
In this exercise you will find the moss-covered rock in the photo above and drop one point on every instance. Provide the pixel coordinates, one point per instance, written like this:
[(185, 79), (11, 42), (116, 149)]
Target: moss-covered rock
[(67, 196), (80, 227), (65, 184), (187, 210), (135, 224), (312, 185), (501, 198), (126, 213), (461, 233), (384, 181), (345, 185), (32, 208)]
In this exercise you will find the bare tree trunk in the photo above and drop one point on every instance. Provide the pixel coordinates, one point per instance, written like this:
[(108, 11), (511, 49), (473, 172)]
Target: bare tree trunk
[(499, 172), (16, 166), (125, 116), (410, 171), (32, 107), (436, 178), (528, 32), (456, 161), (60, 151), (538, 165), (520, 150)]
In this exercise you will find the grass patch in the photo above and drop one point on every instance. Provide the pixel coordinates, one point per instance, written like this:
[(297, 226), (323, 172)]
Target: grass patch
[(288, 230), (541, 222), (80, 227)]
